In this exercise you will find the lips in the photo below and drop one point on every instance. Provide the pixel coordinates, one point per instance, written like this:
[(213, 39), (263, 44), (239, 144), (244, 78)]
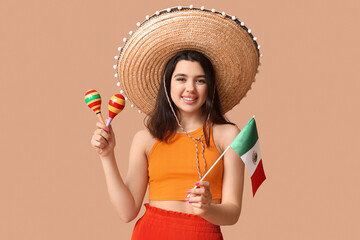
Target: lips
[(189, 99)]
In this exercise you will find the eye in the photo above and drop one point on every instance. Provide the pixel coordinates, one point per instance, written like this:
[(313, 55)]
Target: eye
[(180, 79), (201, 81)]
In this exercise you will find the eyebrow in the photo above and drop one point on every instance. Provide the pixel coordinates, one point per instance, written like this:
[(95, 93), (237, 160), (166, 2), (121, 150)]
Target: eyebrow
[(184, 75)]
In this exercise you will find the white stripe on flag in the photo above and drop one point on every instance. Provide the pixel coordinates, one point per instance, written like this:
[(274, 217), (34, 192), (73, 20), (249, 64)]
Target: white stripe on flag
[(247, 158)]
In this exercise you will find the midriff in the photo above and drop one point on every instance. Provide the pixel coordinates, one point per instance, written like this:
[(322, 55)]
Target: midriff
[(178, 206)]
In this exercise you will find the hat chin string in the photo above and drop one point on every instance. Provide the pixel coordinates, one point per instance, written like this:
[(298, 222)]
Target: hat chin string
[(195, 139), (172, 109)]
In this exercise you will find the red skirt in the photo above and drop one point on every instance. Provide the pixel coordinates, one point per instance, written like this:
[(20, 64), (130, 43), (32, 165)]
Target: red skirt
[(159, 223)]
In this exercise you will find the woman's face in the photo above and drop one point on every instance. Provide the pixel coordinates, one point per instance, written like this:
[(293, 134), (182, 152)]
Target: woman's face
[(188, 86)]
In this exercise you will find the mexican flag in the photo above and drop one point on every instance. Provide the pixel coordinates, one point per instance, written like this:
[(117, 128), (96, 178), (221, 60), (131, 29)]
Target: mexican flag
[(246, 144)]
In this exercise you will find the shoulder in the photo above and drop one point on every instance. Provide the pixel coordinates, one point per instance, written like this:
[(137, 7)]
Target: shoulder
[(224, 134), (144, 140), (143, 134)]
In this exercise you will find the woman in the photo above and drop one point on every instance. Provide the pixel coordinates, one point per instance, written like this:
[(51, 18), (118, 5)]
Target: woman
[(185, 130)]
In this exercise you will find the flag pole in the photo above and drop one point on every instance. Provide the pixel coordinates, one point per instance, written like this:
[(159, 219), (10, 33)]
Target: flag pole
[(212, 167), (214, 164)]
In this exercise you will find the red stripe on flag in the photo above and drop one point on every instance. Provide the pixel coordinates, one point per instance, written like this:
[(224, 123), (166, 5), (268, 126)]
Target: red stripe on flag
[(258, 177)]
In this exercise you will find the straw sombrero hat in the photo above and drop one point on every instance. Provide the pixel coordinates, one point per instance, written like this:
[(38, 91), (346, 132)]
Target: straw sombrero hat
[(224, 39)]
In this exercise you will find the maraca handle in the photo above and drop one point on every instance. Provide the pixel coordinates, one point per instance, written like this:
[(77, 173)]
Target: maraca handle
[(109, 121), (100, 118)]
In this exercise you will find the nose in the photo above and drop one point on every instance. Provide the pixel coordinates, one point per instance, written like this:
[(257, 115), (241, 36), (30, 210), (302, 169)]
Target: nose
[(190, 86)]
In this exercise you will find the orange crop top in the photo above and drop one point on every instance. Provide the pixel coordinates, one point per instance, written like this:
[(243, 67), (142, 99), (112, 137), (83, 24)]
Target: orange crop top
[(172, 167)]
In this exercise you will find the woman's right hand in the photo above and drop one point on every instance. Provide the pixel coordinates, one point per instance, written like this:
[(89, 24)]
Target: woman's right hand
[(103, 140)]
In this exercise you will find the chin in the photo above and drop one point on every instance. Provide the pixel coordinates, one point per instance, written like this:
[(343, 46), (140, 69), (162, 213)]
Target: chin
[(190, 110)]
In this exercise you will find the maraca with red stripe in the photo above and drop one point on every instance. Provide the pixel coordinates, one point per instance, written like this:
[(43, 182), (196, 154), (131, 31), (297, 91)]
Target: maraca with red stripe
[(93, 100), (116, 105)]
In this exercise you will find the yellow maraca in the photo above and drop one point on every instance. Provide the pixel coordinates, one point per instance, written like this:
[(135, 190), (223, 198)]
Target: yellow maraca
[(116, 105)]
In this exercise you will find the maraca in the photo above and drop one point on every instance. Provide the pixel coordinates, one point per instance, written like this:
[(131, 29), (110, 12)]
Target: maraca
[(93, 100), (116, 105)]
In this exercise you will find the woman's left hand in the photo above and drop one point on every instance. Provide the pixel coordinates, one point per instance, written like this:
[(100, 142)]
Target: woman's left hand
[(200, 198)]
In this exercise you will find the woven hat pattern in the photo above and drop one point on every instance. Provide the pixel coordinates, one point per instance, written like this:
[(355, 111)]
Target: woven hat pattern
[(227, 44)]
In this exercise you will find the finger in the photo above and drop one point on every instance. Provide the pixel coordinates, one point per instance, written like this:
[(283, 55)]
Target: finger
[(106, 135), (100, 133), (110, 128), (197, 205), (111, 131), (102, 126), (197, 191), (205, 197), (98, 144), (197, 199), (101, 139), (205, 184)]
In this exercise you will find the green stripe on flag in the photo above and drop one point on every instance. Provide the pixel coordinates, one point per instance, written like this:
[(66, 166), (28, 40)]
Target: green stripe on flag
[(246, 139)]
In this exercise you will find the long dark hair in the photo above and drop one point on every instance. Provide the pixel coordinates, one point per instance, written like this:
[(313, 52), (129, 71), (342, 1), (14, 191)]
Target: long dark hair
[(162, 123)]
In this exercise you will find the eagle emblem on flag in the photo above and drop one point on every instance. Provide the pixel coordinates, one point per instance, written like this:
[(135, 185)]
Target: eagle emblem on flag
[(254, 157)]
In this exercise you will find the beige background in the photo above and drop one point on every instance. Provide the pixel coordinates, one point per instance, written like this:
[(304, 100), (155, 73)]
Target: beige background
[(305, 101)]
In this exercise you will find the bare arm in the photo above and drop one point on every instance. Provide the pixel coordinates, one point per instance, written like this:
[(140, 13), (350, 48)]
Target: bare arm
[(126, 196), (119, 193), (228, 212)]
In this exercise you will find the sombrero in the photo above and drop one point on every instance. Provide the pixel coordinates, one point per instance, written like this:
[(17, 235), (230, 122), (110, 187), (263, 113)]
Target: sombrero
[(224, 39)]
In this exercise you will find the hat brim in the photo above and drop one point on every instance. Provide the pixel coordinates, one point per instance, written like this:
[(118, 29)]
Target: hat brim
[(228, 46)]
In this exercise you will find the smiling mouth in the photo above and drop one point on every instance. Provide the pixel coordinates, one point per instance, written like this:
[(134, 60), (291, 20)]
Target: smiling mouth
[(189, 100)]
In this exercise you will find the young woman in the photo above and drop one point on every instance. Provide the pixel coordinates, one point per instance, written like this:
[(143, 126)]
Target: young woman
[(186, 132)]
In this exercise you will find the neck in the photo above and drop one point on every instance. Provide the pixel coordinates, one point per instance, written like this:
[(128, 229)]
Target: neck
[(190, 122)]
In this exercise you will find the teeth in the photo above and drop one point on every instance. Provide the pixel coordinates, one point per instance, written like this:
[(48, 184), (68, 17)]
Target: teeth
[(189, 99)]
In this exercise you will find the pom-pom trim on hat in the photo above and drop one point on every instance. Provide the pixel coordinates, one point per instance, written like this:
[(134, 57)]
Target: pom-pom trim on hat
[(180, 8)]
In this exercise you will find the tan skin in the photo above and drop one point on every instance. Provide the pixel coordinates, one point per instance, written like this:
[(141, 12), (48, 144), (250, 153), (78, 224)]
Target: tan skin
[(187, 81)]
